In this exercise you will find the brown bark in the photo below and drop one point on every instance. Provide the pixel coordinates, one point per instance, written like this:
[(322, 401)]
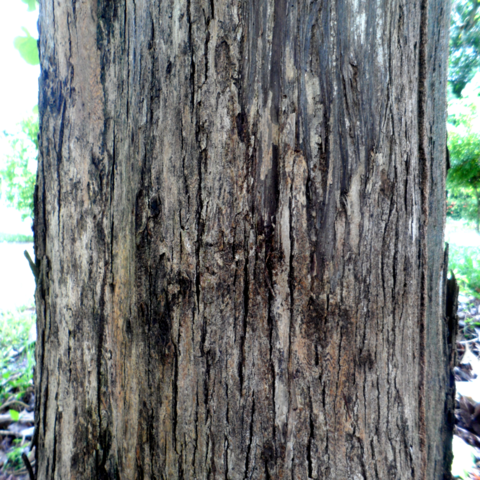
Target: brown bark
[(239, 223)]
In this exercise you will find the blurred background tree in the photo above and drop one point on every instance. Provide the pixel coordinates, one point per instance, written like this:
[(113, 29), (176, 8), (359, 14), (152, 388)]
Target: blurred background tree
[(464, 44), (463, 181), (21, 167)]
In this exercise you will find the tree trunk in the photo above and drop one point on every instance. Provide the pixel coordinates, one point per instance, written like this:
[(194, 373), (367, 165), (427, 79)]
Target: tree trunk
[(239, 225)]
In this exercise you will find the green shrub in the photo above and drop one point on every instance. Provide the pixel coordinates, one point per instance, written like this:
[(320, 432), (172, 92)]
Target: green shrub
[(465, 264), (16, 238), (462, 205), (463, 180), (19, 175)]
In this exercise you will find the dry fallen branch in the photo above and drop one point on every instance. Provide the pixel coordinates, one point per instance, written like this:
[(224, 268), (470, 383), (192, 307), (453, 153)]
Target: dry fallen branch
[(24, 417), (28, 466), (13, 402), (7, 433)]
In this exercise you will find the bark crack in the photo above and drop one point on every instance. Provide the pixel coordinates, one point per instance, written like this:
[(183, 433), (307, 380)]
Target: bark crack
[(175, 395), (225, 436), (246, 298), (311, 434), (271, 321), (58, 162), (195, 438), (425, 184), (250, 439)]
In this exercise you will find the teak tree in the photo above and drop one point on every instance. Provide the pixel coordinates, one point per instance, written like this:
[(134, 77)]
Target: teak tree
[(239, 232)]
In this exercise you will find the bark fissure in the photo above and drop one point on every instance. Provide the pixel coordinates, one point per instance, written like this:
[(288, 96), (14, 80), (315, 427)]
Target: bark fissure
[(311, 433), (175, 397), (250, 441), (246, 297), (425, 181), (59, 160)]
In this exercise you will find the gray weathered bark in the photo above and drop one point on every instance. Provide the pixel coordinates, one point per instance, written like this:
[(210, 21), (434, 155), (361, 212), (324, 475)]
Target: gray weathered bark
[(239, 222)]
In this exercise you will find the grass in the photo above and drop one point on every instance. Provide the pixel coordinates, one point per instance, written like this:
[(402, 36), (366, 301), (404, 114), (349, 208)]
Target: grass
[(15, 238), (15, 326), (14, 456), (17, 362)]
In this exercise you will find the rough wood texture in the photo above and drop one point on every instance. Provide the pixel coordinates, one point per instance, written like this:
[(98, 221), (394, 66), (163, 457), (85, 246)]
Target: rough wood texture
[(239, 219)]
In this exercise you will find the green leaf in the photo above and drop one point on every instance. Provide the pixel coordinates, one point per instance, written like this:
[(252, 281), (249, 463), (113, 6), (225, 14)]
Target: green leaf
[(32, 4), (27, 46), (15, 415)]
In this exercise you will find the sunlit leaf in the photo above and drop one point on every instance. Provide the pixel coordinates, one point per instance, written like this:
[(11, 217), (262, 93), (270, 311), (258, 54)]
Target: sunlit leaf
[(14, 415), (463, 458), (27, 46), (32, 4)]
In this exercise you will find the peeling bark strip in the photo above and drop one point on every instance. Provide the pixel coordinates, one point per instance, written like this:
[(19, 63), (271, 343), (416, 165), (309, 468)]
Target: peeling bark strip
[(239, 222)]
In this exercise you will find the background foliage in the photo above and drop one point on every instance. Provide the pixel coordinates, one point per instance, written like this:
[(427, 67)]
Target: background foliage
[(17, 178), (19, 174), (463, 181), (464, 44)]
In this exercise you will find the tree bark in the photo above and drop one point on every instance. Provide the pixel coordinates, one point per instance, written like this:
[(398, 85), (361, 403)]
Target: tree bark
[(239, 221)]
